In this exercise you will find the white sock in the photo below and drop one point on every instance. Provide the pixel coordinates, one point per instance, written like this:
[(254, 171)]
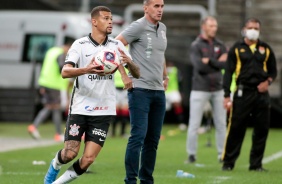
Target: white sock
[(56, 164), (67, 177)]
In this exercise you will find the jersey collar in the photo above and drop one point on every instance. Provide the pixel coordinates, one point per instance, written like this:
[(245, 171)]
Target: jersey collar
[(154, 26), (96, 43), (242, 42)]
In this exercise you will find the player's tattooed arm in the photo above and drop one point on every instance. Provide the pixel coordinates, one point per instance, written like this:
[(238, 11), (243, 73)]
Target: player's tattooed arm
[(130, 65), (134, 69)]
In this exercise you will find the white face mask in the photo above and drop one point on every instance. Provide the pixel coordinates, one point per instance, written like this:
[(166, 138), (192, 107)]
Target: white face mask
[(252, 34)]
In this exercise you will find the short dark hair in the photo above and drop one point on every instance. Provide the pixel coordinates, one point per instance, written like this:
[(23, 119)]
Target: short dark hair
[(95, 11), (68, 40), (252, 19)]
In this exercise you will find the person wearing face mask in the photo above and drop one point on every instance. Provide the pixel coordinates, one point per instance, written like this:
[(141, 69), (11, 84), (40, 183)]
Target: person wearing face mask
[(254, 65)]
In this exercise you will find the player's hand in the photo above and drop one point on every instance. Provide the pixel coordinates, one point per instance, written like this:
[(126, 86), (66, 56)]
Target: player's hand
[(205, 60), (165, 83), (227, 103), (130, 65), (127, 82), (223, 57), (94, 68), (263, 87), (123, 57)]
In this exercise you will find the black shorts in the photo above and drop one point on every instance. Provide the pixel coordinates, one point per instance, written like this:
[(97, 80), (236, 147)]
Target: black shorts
[(95, 128), (51, 96)]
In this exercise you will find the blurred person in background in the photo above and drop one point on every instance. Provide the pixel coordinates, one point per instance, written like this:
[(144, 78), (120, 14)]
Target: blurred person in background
[(254, 64), (208, 56), (122, 116), (173, 95), (147, 44), (52, 85)]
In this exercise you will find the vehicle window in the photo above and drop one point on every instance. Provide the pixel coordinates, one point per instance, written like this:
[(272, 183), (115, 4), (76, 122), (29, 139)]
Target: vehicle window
[(36, 45)]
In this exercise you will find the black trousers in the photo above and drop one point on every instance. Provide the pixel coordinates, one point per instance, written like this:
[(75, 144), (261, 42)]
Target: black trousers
[(258, 105)]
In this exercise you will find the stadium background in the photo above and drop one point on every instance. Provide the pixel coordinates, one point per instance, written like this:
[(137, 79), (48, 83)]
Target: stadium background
[(183, 28)]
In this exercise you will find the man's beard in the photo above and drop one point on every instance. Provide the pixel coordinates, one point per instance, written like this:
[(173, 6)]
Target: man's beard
[(108, 32)]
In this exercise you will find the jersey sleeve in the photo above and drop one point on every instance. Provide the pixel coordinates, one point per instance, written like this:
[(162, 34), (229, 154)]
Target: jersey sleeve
[(73, 54), (133, 31)]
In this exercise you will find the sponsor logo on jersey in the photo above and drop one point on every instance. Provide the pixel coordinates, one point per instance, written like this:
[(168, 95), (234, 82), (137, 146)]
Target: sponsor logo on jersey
[(98, 77), (99, 132), (74, 130), (101, 140), (89, 108)]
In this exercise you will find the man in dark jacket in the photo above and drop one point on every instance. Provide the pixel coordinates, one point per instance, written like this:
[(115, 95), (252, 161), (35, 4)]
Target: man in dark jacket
[(254, 65), (208, 56)]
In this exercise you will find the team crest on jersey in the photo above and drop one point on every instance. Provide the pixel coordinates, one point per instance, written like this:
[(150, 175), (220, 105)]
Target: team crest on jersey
[(163, 35), (216, 49), (242, 50), (74, 130), (261, 49)]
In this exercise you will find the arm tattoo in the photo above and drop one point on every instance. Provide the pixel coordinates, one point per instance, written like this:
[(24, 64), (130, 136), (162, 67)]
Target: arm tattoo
[(134, 69)]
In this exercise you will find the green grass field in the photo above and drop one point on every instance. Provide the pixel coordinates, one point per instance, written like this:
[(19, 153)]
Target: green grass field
[(16, 166)]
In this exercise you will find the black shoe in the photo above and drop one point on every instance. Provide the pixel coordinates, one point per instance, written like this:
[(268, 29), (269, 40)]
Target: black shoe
[(226, 168), (191, 159), (259, 169)]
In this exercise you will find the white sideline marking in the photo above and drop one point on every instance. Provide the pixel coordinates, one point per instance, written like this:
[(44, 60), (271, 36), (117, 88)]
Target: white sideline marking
[(23, 173), (272, 157), (11, 144), (220, 179)]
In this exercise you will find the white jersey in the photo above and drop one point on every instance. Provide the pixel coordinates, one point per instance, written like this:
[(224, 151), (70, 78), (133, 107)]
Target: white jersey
[(92, 94)]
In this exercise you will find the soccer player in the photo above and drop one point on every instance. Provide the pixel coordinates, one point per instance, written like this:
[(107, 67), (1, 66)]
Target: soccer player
[(93, 100), (147, 44)]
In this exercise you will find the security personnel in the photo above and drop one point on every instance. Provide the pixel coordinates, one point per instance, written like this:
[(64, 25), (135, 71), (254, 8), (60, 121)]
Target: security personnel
[(121, 106), (254, 64), (51, 85), (172, 94)]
